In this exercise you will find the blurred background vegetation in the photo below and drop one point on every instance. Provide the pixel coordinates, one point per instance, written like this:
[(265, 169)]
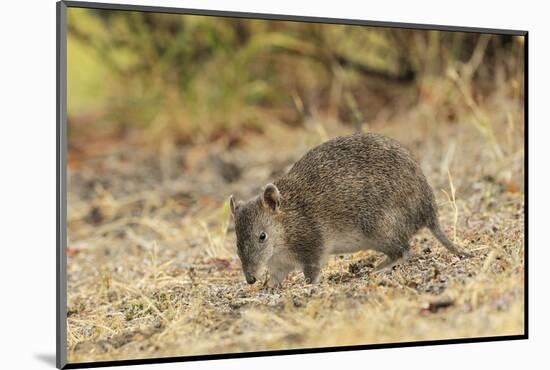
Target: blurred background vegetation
[(149, 76)]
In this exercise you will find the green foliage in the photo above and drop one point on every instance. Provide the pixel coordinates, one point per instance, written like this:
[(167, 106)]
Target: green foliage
[(192, 76)]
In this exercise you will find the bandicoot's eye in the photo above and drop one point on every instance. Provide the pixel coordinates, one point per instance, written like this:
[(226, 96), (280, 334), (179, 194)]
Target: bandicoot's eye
[(263, 237)]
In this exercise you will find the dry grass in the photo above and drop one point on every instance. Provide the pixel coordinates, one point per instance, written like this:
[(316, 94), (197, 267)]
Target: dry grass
[(152, 271)]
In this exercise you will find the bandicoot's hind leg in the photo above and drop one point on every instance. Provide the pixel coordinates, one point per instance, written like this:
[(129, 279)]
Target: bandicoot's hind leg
[(440, 235), (392, 258)]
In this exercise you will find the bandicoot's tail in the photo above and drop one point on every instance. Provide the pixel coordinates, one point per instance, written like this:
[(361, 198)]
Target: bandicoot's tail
[(440, 235)]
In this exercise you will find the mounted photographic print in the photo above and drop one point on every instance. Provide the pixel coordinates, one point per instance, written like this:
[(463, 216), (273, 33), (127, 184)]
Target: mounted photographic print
[(234, 184)]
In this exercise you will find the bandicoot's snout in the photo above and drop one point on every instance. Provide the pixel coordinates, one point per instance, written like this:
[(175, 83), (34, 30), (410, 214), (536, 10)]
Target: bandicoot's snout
[(250, 279)]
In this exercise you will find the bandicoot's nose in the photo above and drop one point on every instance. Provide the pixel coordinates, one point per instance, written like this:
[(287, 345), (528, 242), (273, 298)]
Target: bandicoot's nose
[(250, 279)]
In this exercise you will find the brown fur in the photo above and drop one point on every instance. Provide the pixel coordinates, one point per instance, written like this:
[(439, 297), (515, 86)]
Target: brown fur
[(364, 189)]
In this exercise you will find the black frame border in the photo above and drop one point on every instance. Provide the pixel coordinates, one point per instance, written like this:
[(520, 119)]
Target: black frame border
[(61, 184)]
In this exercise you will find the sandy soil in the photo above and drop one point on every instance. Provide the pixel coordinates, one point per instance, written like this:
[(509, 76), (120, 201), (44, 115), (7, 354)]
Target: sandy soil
[(152, 269)]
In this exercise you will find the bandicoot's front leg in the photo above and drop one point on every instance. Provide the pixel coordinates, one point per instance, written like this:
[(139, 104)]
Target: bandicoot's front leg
[(279, 267), (277, 275), (312, 273)]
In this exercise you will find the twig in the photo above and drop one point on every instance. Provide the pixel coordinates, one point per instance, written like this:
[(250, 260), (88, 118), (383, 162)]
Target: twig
[(452, 200), (478, 54)]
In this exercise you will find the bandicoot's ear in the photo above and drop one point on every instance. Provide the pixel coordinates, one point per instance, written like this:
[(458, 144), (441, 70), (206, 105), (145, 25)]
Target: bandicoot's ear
[(234, 205), (271, 197)]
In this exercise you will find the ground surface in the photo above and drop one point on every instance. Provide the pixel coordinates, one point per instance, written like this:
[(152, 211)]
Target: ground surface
[(152, 269)]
